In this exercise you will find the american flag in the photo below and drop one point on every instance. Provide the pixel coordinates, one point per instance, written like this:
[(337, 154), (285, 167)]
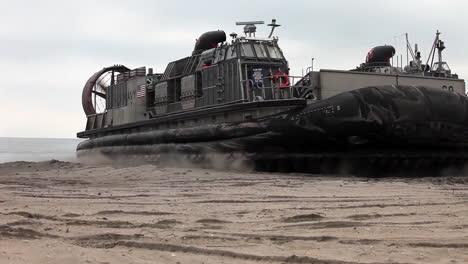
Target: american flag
[(141, 92)]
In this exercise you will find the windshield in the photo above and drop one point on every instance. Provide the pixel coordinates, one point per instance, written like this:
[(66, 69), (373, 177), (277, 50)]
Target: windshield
[(260, 50), (275, 52), (247, 50)]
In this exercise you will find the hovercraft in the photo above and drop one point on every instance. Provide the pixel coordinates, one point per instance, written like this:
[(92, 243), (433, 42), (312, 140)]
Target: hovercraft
[(238, 97)]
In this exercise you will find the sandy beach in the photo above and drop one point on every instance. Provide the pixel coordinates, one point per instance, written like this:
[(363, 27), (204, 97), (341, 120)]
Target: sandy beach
[(60, 212)]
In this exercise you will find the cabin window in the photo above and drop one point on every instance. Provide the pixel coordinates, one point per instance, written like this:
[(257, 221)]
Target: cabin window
[(247, 50), (275, 53), (260, 50), (231, 52)]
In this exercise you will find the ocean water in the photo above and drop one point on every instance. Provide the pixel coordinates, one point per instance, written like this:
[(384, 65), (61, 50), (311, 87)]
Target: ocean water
[(37, 149)]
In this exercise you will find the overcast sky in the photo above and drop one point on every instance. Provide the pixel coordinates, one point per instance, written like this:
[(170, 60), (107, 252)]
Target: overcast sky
[(48, 49)]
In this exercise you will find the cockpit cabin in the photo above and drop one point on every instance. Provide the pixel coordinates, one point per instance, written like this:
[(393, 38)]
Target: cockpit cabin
[(220, 73)]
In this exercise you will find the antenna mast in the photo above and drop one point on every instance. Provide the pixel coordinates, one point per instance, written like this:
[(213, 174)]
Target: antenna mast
[(440, 46), (273, 25), (414, 54), (407, 49)]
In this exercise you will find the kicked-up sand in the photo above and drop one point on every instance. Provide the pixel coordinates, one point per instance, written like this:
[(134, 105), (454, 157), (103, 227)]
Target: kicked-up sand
[(58, 212)]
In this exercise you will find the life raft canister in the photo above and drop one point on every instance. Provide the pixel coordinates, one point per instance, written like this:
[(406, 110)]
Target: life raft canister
[(282, 78)]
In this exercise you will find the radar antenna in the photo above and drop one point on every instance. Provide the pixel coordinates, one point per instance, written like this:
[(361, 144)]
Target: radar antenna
[(273, 25), (249, 27)]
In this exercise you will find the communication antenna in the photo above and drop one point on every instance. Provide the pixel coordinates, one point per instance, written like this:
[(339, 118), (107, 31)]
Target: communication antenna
[(438, 45), (249, 27), (416, 55), (273, 25)]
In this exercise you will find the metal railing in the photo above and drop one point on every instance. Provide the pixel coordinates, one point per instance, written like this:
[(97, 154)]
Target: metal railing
[(277, 90)]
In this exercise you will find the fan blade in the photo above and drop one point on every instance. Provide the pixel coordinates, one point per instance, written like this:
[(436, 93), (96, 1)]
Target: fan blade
[(101, 88), (104, 79), (102, 95)]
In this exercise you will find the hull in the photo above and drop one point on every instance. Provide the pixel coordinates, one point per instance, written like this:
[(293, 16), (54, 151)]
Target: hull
[(378, 122)]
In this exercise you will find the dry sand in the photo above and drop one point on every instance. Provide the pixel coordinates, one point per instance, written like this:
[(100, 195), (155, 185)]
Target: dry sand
[(57, 212)]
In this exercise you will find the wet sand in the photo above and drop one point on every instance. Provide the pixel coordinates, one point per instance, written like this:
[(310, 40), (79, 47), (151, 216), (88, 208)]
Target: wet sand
[(58, 212)]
